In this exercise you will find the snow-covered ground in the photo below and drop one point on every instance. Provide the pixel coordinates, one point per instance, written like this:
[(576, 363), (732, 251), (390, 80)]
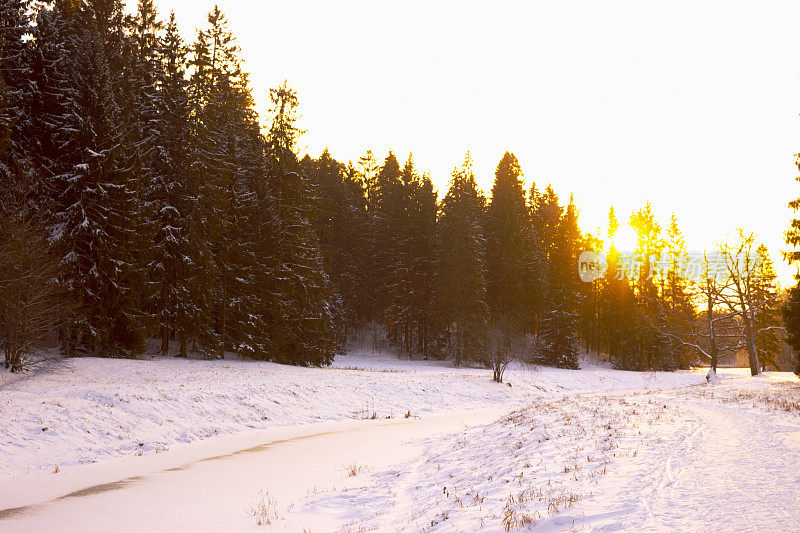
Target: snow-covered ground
[(711, 457), (88, 410), (203, 446)]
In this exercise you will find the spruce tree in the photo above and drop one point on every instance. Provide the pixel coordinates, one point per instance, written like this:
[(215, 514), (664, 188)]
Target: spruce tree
[(791, 310), (462, 281), (229, 162), (791, 321), (306, 333), (767, 320), (560, 326), (179, 254), (509, 249), (400, 218), (99, 171), (16, 167), (428, 316), (367, 170), (385, 242), (618, 305), (677, 298), (342, 230), (651, 343)]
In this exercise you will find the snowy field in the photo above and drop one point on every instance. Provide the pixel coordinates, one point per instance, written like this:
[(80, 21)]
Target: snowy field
[(376, 443), (88, 410)]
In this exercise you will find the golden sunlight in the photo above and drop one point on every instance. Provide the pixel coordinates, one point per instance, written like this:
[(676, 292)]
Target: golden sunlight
[(625, 240)]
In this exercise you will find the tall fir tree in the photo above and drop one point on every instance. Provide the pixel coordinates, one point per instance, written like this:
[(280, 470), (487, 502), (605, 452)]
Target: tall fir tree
[(791, 310), (428, 315), (179, 255), (343, 233), (618, 305), (385, 207), (462, 278), (100, 171), (510, 283), (400, 224), (767, 320), (677, 298), (651, 343), (307, 335), (229, 162), (16, 167), (560, 326)]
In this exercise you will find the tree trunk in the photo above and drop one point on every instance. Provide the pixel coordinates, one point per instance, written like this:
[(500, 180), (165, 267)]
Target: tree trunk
[(62, 334), (165, 340), (182, 352), (714, 357), (712, 339), (223, 325), (752, 350), (459, 345), (8, 354)]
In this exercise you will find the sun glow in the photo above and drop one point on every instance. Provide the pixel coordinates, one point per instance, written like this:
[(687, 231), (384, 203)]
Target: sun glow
[(625, 239)]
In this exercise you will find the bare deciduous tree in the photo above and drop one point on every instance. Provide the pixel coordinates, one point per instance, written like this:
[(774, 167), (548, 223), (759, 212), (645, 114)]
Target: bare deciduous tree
[(710, 288), (30, 301), (748, 293), (507, 343)]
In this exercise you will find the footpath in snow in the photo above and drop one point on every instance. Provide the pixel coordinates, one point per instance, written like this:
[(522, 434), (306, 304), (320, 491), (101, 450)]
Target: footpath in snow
[(711, 457)]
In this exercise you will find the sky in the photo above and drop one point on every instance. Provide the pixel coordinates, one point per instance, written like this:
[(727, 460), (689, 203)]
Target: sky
[(692, 106)]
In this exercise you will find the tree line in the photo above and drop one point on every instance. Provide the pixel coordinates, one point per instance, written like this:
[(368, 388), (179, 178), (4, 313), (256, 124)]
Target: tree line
[(142, 197)]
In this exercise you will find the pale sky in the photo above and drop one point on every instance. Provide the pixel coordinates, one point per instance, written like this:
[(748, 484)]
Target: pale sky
[(691, 105)]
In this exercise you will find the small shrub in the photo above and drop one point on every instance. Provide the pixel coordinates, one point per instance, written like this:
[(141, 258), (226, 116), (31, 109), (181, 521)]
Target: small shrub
[(513, 519), (354, 470), (265, 509)]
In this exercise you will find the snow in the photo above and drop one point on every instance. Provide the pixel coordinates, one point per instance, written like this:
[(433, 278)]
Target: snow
[(593, 450), (708, 457), (87, 410)]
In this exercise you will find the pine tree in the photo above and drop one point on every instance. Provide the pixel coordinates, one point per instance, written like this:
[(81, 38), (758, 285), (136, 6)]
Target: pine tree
[(791, 321), (179, 254), (560, 326), (400, 219), (385, 241), (368, 169), (54, 126), (652, 344), (791, 310), (589, 323), (509, 248), (368, 173), (545, 212), (343, 231), (30, 303), (18, 94), (618, 306), (462, 276), (307, 335), (428, 315), (767, 320), (679, 309), (511, 296), (99, 170), (229, 162)]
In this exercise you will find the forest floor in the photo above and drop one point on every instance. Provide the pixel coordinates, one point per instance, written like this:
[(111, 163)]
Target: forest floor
[(376, 443)]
